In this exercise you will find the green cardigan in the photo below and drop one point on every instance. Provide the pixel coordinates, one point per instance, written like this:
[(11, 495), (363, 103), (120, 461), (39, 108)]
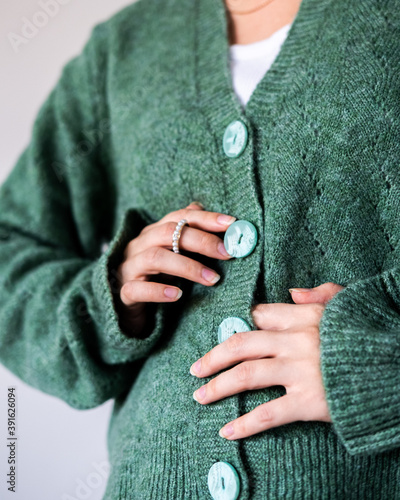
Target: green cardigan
[(133, 130)]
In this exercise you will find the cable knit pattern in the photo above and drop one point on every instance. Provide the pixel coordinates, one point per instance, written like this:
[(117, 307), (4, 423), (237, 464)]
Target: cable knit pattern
[(133, 130)]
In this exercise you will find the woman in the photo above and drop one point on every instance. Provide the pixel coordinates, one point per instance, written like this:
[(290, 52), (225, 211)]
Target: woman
[(296, 188)]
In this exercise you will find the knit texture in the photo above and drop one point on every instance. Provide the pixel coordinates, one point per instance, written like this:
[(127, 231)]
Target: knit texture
[(133, 130)]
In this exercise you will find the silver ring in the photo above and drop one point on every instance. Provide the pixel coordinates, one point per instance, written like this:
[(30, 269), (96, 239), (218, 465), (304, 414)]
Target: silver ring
[(177, 234)]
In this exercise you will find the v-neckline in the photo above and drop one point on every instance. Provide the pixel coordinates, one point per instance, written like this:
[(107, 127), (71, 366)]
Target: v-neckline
[(215, 93)]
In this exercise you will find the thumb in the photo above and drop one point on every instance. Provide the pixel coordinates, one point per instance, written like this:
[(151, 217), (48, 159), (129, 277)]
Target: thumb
[(322, 293), (195, 205)]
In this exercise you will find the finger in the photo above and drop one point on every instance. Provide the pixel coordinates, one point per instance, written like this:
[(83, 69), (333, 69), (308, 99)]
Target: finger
[(199, 219), (279, 411), (145, 291), (249, 375), (157, 260), (280, 316), (273, 316), (241, 346), (322, 293), (192, 240)]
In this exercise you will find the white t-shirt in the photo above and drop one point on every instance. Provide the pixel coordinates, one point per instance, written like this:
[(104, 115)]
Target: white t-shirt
[(251, 61)]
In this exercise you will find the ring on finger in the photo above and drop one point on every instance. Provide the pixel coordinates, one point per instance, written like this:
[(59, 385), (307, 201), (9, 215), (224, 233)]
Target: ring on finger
[(177, 235)]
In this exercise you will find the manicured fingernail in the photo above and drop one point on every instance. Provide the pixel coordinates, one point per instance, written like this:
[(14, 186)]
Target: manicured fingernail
[(172, 293), (199, 394), (210, 276), (196, 367), (300, 290), (226, 431), (225, 220), (222, 250)]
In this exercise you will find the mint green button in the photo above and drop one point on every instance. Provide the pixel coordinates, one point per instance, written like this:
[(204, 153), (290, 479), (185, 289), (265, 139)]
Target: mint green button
[(230, 326), (223, 481), (235, 138), (240, 238)]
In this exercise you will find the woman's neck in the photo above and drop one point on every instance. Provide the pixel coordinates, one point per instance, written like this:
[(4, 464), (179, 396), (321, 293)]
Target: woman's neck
[(254, 20)]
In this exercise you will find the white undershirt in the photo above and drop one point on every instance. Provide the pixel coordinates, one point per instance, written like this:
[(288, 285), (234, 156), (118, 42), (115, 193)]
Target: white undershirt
[(250, 62)]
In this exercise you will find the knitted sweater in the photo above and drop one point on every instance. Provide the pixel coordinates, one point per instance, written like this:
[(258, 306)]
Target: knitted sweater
[(133, 130)]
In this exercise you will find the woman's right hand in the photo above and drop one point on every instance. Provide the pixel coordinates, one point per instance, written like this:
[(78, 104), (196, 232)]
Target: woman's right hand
[(150, 253)]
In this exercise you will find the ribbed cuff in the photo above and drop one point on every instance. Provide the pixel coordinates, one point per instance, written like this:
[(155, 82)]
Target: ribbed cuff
[(114, 345), (360, 363)]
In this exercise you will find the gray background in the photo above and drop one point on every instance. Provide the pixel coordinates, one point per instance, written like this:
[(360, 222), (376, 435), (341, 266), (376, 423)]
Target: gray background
[(59, 449)]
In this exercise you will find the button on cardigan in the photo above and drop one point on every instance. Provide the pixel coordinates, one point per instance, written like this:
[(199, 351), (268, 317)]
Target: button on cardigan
[(132, 131)]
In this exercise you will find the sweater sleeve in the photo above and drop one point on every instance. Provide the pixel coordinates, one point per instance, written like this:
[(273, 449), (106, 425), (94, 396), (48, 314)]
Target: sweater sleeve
[(360, 363), (59, 327)]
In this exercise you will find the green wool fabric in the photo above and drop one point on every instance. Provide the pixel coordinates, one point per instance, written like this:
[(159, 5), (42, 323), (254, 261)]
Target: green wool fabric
[(132, 131)]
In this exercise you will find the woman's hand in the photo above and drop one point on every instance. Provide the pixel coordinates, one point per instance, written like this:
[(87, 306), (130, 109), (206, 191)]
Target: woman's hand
[(150, 254), (285, 351)]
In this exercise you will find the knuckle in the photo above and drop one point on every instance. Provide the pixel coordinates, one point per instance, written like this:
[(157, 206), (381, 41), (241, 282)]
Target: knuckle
[(168, 230), (265, 414), (235, 343), (244, 372), (153, 256), (129, 248), (190, 268), (183, 213), (211, 389), (255, 311), (260, 310), (241, 427), (205, 240), (145, 229), (150, 226), (207, 361)]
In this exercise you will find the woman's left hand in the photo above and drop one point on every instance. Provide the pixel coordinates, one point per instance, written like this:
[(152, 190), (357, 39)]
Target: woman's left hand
[(285, 351)]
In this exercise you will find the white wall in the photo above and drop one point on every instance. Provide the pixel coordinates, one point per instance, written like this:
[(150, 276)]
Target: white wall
[(59, 448)]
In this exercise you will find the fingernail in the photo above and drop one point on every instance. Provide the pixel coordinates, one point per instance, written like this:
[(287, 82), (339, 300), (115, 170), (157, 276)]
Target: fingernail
[(210, 276), (199, 394), (300, 290), (226, 431), (222, 250), (197, 203), (225, 219), (172, 293), (196, 367)]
